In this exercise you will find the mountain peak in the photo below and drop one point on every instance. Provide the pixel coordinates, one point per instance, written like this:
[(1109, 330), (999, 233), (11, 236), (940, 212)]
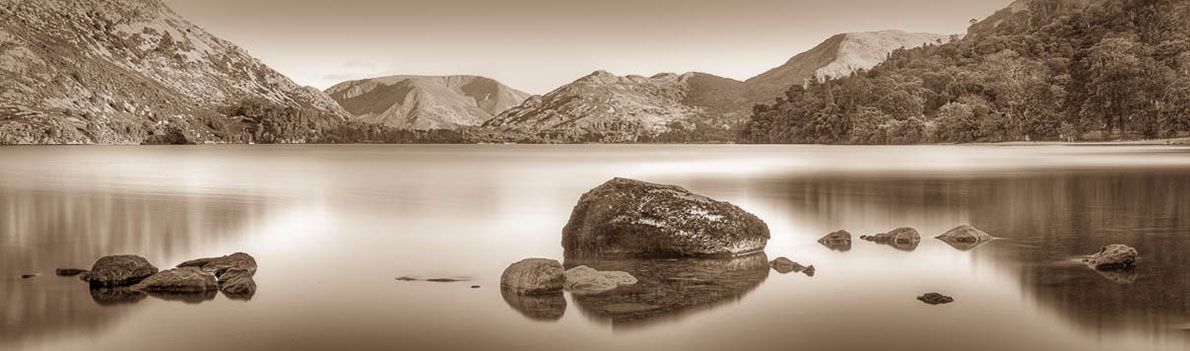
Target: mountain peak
[(838, 56), (426, 102)]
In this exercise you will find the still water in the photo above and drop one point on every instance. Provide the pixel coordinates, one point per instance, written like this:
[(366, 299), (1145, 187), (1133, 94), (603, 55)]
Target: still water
[(332, 226)]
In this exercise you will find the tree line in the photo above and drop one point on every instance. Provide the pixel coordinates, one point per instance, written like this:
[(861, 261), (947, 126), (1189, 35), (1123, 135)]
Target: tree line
[(1062, 70)]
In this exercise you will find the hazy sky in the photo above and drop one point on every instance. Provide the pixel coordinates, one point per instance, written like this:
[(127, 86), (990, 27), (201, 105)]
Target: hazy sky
[(538, 45)]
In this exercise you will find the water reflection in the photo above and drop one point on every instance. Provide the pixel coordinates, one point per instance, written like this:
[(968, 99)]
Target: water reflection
[(549, 307), (668, 290), (43, 229), (1044, 221)]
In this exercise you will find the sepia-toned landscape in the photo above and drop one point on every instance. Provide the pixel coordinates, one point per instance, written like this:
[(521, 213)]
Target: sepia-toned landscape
[(571, 175)]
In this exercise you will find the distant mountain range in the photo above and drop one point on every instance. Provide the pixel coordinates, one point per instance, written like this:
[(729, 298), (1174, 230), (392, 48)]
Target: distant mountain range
[(121, 71), (603, 107), (127, 71), (425, 102)]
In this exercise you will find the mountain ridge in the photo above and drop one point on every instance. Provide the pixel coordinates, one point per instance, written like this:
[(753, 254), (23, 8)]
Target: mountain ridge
[(426, 102)]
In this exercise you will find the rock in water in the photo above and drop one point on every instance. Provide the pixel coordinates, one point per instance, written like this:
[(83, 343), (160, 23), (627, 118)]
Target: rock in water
[(965, 237), (901, 238), (179, 281), (31, 275), (217, 265), (625, 218), (809, 271), (784, 265), (587, 280), (935, 298), (838, 241), (1114, 256), (69, 272), (237, 283), (234, 272), (533, 276), (118, 270)]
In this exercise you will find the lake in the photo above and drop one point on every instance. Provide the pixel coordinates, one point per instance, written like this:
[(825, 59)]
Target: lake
[(332, 226)]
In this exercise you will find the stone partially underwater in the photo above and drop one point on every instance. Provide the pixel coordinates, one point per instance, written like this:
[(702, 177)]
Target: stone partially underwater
[(625, 218), (965, 237), (671, 288), (904, 239), (638, 251), (128, 278)]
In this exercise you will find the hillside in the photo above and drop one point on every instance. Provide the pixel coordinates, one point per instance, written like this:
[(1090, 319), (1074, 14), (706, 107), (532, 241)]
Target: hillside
[(838, 56), (1038, 70), (426, 102), (123, 71), (603, 107)]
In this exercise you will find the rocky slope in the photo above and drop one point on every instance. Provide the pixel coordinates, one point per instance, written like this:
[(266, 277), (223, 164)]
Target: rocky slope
[(426, 102), (610, 108), (119, 71), (692, 107), (838, 56)]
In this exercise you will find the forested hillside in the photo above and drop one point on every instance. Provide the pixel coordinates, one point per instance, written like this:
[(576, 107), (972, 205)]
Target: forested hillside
[(1038, 70)]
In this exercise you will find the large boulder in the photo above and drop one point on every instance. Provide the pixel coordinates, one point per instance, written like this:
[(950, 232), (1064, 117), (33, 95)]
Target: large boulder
[(901, 238), (965, 237), (533, 276), (587, 280), (119, 270), (625, 218), (179, 281), (838, 241), (1110, 257)]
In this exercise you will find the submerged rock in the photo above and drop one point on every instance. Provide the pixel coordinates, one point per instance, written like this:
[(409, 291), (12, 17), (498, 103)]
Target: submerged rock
[(784, 265), (809, 271), (625, 218), (179, 280), (965, 237), (935, 298), (1110, 257), (838, 241), (587, 280), (119, 270), (905, 239), (27, 276), (533, 276), (69, 272)]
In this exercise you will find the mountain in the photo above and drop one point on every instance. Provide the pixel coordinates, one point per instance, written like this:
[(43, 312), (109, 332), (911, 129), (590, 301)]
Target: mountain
[(122, 71), (1037, 70), (426, 102), (692, 107), (603, 107), (837, 57)]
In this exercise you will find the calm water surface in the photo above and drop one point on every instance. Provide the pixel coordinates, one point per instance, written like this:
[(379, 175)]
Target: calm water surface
[(331, 226)]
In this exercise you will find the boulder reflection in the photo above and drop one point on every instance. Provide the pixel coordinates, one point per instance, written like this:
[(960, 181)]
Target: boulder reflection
[(549, 307), (671, 289)]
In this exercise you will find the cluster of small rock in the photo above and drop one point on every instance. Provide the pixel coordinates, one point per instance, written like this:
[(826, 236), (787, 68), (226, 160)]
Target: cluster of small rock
[(232, 274)]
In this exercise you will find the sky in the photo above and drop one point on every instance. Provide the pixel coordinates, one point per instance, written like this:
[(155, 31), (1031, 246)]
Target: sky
[(539, 45)]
